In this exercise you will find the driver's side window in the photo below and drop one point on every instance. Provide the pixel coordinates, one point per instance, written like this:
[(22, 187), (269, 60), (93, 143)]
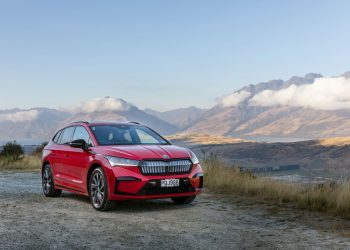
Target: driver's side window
[(81, 133), (66, 135)]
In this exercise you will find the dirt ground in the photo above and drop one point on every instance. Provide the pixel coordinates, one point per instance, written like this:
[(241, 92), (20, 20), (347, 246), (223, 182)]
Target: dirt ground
[(28, 220)]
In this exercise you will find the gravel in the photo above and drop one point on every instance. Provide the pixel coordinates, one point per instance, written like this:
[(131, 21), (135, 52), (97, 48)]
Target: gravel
[(28, 220)]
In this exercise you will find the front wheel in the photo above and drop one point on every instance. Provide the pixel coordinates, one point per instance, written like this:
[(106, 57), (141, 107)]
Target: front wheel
[(48, 183), (99, 190), (183, 200)]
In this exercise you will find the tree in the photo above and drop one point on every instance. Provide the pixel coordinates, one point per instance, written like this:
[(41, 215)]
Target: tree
[(12, 151)]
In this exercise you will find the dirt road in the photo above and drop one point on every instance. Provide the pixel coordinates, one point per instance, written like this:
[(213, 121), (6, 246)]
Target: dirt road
[(28, 220)]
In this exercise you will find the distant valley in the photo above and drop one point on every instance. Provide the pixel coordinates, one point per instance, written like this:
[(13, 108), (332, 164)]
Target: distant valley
[(325, 157)]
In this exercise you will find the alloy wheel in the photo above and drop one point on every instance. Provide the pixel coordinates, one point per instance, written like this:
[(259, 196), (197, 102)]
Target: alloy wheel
[(97, 189), (47, 181)]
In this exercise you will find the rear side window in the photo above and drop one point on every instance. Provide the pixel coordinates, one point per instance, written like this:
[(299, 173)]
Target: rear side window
[(57, 136), (67, 135)]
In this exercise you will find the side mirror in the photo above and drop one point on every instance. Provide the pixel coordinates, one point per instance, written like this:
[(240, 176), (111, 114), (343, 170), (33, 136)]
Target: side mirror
[(80, 143)]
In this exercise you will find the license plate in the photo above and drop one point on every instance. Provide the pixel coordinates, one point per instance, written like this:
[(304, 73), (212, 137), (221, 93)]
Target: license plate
[(170, 183)]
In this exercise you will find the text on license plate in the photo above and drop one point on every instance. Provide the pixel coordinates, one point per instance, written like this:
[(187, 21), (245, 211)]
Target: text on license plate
[(170, 183)]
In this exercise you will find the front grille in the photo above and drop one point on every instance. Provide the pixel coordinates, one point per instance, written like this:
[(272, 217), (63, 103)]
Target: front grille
[(155, 189), (165, 167)]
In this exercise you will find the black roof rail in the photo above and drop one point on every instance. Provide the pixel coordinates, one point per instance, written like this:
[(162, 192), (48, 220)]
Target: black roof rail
[(86, 122), (135, 123)]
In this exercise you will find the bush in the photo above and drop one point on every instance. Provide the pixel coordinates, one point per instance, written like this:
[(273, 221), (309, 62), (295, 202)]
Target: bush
[(12, 151)]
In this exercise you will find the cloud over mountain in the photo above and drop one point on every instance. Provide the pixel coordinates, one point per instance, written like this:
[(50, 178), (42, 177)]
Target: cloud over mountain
[(20, 116), (234, 98), (320, 93), (100, 104), (332, 93)]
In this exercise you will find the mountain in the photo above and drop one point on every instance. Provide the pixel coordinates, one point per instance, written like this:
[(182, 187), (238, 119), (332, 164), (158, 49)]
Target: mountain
[(286, 110), (308, 107), (131, 114), (33, 126), (29, 125), (181, 118)]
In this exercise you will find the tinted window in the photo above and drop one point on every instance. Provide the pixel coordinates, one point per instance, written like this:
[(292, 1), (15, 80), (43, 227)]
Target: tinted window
[(67, 135), (81, 133), (126, 134), (55, 138)]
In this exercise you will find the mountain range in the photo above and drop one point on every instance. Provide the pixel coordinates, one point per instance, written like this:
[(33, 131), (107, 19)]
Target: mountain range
[(38, 124), (298, 119), (308, 107)]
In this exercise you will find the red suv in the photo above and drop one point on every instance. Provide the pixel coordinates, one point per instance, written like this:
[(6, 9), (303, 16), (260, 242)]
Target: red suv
[(118, 161)]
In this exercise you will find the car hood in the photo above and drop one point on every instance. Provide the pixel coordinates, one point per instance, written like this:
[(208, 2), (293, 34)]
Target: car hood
[(140, 152)]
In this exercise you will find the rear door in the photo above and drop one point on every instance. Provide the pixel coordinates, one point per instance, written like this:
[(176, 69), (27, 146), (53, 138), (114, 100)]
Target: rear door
[(79, 159), (63, 176)]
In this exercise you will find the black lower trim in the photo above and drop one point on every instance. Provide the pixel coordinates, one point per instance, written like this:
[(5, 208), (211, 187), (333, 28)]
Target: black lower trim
[(201, 182), (123, 178), (153, 188), (68, 188)]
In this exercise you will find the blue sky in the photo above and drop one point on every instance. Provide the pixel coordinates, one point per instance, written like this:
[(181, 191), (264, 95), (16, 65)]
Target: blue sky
[(162, 54)]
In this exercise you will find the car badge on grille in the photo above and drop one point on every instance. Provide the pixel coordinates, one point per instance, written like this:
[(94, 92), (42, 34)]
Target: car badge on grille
[(165, 156)]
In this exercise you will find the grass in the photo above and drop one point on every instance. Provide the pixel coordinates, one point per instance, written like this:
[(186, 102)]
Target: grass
[(332, 198), (27, 163)]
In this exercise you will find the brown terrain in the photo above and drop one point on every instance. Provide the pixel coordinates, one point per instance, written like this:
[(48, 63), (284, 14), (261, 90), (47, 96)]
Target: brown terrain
[(324, 155)]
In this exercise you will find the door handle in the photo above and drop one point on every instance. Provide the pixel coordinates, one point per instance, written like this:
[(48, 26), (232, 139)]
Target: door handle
[(66, 155)]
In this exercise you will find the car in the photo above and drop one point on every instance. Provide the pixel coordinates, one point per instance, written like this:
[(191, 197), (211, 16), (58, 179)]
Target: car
[(118, 161)]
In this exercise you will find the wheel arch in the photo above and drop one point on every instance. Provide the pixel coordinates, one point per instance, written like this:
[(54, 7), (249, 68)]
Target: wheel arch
[(91, 169), (45, 162)]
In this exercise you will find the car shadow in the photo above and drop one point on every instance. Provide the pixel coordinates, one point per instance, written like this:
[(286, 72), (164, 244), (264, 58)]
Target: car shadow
[(133, 205)]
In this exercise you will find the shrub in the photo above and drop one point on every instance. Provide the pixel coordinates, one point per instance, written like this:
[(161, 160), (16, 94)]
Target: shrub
[(12, 151)]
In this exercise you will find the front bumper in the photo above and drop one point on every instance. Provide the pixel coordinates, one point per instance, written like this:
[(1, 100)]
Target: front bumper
[(128, 183)]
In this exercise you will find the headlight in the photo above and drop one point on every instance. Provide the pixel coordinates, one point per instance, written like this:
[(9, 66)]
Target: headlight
[(116, 161), (194, 159)]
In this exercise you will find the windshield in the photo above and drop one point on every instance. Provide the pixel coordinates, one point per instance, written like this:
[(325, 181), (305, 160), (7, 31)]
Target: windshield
[(126, 134)]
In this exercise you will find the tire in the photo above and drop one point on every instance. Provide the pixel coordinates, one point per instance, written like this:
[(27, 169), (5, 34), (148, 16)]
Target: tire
[(98, 190), (48, 184), (183, 200)]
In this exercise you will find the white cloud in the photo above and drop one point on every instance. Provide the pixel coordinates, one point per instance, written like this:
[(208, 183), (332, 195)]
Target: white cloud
[(100, 104), (20, 116), (331, 93), (234, 98)]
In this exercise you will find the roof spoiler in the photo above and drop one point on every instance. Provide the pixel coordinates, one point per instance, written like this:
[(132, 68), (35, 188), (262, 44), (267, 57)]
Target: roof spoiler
[(86, 122)]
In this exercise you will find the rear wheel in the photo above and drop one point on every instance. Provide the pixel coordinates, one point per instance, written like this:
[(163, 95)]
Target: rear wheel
[(99, 190), (183, 200), (48, 183)]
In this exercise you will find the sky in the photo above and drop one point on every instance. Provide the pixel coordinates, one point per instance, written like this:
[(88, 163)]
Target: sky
[(162, 54)]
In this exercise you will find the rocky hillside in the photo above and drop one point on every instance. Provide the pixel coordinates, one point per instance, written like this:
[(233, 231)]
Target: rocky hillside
[(181, 118), (282, 109)]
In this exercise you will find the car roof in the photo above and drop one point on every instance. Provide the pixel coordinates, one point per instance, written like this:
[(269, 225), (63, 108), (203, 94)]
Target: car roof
[(104, 123)]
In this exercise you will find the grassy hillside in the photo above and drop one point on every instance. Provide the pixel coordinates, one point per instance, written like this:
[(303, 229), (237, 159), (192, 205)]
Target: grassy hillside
[(332, 198)]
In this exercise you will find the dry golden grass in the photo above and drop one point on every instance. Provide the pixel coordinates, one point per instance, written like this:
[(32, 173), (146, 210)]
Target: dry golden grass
[(335, 141), (205, 139), (28, 162), (332, 198)]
